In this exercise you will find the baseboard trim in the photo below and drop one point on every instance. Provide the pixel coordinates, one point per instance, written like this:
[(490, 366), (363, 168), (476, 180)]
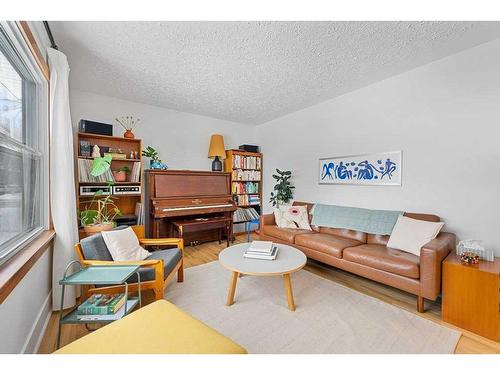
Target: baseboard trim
[(37, 331)]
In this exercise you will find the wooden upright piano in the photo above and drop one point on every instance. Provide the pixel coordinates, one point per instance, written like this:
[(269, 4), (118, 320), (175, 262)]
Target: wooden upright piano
[(174, 195)]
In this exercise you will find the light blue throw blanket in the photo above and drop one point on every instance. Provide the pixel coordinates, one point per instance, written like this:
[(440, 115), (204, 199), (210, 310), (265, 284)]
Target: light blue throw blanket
[(361, 219)]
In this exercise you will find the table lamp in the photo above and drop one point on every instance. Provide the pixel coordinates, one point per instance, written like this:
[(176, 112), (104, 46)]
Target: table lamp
[(216, 151)]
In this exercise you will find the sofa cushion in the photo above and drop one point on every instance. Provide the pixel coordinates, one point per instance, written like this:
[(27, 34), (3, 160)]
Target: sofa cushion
[(345, 233), (384, 258), (326, 243), (284, 234)]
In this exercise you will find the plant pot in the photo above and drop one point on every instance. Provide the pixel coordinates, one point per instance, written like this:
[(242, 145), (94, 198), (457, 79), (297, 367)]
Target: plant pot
[(96, 228), (129, 134), (120, 176)]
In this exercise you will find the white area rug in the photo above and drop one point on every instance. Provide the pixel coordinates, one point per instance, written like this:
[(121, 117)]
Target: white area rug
[(330, 318)]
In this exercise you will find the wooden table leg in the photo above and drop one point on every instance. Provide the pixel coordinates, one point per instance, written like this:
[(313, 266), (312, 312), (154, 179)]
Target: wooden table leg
[(288, 289), (232, 288)]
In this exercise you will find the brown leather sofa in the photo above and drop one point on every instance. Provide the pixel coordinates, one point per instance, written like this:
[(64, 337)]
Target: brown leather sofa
[(367, 254)]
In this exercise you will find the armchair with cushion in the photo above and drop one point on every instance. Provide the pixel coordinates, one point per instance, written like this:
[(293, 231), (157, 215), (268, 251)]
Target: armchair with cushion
[(156, 271)]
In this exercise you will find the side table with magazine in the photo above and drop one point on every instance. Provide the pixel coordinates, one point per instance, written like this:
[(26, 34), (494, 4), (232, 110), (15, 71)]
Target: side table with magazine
[(99, 308)]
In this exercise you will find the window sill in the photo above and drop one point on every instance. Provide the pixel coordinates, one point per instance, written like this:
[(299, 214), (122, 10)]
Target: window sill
[(13, 271)]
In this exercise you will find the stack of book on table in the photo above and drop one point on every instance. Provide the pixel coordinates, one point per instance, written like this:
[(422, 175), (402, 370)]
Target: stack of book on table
[(102, 307), (262, 250)]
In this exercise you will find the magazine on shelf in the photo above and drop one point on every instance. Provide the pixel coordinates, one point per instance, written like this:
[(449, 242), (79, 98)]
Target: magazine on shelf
[(120, 313), (102, 304)]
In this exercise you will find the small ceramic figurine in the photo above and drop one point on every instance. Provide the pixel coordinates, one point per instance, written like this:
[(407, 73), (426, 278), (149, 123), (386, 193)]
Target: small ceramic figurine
[(96, 152)]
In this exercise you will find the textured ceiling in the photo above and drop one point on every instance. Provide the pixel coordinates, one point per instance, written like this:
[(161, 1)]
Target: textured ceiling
[(251, 72)]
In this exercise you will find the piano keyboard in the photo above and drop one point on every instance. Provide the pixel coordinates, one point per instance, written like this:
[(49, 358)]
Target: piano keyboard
[(195, 207)]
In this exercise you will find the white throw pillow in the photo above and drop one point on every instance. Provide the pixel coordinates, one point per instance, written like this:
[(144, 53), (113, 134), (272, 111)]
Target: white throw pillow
[(123, 245), (410, 234), (292, 217)]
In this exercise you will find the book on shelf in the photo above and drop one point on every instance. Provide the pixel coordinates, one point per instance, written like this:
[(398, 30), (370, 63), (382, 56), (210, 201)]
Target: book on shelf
[(246, 200), (246, 162), (102, 304), (139, 213), (135, 174), (84, 169), (118, 314), (245, 187), (245, 214), (265, 250), (246, 175)]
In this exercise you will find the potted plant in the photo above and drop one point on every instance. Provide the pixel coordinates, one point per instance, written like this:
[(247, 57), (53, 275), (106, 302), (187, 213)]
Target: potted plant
[(155, 162), (100, 211), (283, 190), (120, 174), (128, 123)]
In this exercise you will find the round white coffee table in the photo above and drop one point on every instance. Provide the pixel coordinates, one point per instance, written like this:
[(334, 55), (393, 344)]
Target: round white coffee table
[(289, 260)]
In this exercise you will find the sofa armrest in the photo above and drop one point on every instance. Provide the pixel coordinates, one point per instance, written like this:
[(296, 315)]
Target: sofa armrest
[(432, 255), (267, 219)]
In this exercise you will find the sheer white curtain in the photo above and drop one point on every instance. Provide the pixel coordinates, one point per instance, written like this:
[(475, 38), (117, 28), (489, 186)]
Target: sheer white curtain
[(62, 183)]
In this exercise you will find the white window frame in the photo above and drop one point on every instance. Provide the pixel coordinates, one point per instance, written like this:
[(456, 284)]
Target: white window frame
[(11, 30)]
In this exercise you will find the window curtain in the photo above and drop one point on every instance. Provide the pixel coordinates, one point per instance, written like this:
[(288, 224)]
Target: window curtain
[(62, 183)]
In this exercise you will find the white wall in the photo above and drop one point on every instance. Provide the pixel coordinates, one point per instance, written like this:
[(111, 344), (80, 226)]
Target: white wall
[(182, 139), (25, 313), (445, 116)]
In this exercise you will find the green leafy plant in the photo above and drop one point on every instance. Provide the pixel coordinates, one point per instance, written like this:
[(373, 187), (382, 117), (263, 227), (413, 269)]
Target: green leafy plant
[(150, 152), (101, 209), (283, 190)]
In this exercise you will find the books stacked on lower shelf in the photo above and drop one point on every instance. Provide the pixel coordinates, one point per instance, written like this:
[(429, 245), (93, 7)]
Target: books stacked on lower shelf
[(262, 250), (245, 214), (102, 307)]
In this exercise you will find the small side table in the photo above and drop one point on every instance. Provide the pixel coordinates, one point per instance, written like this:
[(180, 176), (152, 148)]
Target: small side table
[(471, 296), (98, 275)]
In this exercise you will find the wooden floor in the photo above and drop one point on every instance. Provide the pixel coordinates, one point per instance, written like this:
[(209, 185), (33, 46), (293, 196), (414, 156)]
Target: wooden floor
[(208, 252)]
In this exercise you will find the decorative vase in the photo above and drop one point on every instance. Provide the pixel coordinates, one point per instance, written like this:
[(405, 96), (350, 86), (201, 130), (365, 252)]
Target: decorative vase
[(96, 228), (129, 134), (120, 176)]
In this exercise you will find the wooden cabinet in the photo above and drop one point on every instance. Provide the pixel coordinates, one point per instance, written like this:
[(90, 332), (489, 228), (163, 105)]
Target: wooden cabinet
[(471, 296)]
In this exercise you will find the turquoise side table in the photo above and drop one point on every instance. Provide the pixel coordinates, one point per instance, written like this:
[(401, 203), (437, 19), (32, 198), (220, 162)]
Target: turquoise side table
[(98, 275)]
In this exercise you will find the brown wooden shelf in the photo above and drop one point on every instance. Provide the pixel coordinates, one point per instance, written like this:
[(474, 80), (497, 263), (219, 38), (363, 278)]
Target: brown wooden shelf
[(126, 203), (114, 183), (91, 158), (108, 137), (113, 195)]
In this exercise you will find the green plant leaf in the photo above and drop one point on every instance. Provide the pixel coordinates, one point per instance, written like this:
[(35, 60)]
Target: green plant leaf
[(100, 165)]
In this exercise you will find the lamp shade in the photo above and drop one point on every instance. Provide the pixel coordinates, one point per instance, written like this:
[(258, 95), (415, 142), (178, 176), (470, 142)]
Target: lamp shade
[(217, 147)]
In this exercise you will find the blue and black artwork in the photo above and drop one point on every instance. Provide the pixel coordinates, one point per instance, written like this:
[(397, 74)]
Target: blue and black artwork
[(361, 170)]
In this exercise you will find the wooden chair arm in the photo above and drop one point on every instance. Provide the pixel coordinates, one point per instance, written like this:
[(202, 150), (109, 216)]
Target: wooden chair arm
[(151, 263), (162, 241)]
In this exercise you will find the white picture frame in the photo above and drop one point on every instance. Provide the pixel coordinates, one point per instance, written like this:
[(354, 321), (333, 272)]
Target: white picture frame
[(382, 168)]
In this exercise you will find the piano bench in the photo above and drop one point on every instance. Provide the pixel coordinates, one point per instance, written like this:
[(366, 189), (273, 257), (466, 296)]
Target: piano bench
[(196, 225)]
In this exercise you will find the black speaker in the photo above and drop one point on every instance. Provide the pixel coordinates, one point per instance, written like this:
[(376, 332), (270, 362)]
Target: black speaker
[(94, 127), (249, 148)]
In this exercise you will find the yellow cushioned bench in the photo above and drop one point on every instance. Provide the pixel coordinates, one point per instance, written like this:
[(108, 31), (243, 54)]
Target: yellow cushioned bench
[(158, 328)]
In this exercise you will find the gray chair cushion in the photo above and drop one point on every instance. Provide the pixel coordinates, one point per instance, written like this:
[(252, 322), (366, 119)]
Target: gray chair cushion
[(170, 258), (94, 247)]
